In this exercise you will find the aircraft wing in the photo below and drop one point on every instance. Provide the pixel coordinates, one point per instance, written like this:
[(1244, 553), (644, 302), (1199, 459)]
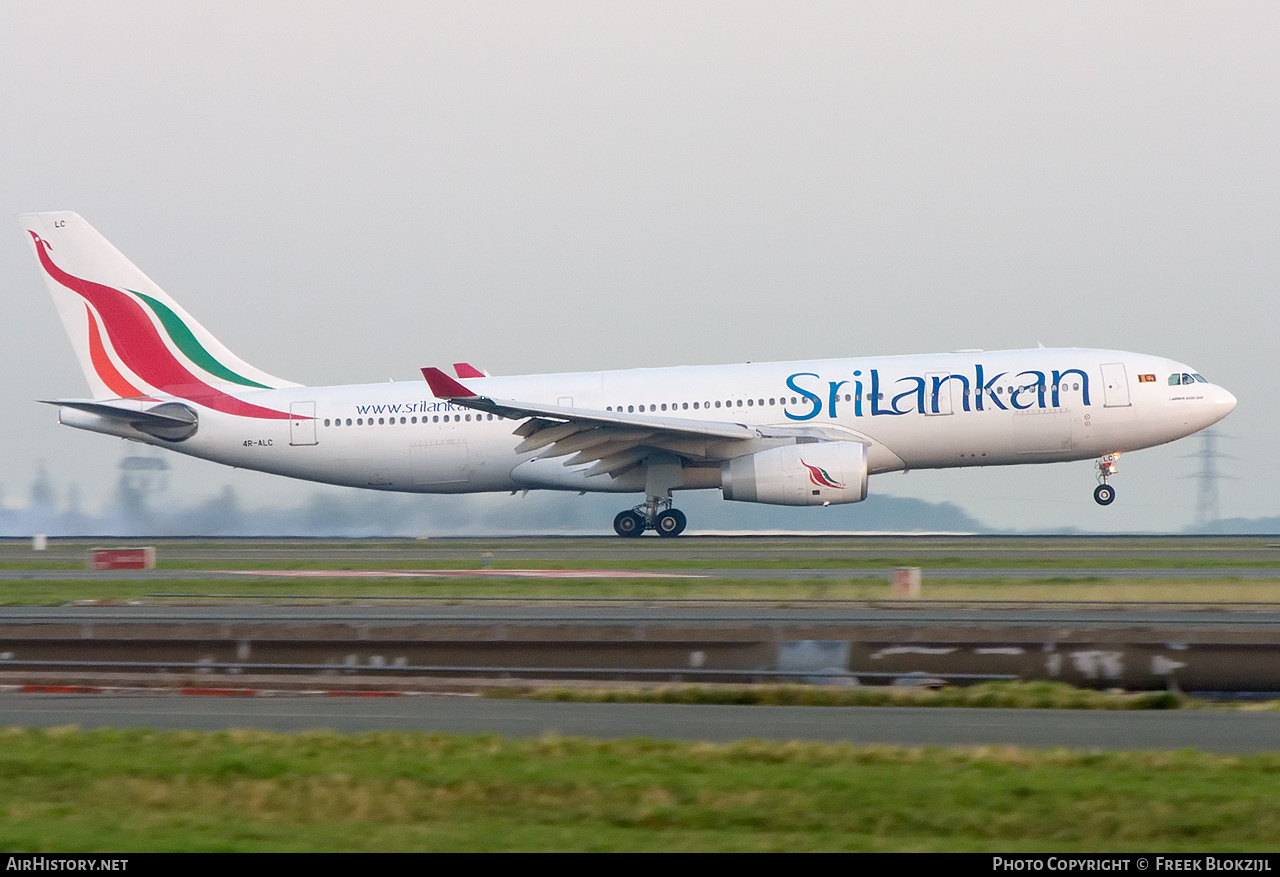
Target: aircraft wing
[(612, 440)]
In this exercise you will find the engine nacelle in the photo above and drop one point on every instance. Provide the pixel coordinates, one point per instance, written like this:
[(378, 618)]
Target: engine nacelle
[(809, 474)]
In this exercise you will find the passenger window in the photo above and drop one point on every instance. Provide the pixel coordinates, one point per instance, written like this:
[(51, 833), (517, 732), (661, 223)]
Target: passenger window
[(749, 402), (685, 405), (717, 403), (326, 421), (630, 408), (695, 406)]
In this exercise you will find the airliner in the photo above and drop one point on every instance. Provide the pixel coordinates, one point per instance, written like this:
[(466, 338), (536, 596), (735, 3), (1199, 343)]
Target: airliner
[(787, 433)]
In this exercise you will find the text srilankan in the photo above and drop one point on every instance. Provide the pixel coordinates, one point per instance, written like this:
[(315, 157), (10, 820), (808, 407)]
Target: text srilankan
[(932, 393)]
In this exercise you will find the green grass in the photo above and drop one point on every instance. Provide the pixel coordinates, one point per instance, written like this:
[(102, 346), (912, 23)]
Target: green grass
[(674, 564), (1023, 695), (66, 790), (1216, 590)]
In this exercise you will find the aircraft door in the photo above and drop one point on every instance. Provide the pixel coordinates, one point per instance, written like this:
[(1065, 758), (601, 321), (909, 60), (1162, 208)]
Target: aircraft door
[(1115, 385), (302, 423), (937, 393)]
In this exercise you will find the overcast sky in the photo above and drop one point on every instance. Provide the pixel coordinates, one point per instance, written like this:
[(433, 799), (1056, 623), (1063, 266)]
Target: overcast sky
[(344, 192)]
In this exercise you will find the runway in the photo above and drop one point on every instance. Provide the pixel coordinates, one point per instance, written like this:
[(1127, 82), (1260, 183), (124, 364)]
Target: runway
[(568, 612), (879, 573), (1211, 731), (461, 623)]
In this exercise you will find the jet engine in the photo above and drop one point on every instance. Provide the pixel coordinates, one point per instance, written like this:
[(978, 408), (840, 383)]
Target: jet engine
[(815, 473)]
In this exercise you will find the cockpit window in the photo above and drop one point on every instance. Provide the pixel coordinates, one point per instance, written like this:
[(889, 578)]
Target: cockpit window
[(1200, 379), (1175, 380)]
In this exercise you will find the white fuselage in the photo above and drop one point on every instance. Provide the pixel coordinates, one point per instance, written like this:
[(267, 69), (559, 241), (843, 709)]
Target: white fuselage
[(911, 412)]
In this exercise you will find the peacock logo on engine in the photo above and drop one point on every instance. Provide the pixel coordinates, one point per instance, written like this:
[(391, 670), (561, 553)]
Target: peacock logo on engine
[(821, 477)]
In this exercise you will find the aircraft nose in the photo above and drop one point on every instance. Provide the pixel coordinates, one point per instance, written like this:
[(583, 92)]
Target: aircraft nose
[(1224, 403)]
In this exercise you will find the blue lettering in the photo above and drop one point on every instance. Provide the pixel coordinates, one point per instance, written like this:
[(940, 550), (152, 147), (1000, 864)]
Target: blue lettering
[(1057, 381), (937, 390), (1038, 387), (918, 392), (986, 391), (812, 398), (875, 395), (834, 397), (857, 399)]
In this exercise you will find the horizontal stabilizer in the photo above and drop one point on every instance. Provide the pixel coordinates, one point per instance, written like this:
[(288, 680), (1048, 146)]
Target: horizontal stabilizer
[(171, 421)]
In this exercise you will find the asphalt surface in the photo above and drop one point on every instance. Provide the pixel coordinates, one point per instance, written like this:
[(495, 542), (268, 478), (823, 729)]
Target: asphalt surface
[(570, 613), (690, 548), (1062, 573), (1213, 731)]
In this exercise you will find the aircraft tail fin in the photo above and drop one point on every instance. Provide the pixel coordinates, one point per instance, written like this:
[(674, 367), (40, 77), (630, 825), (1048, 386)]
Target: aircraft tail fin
[(131, 338)]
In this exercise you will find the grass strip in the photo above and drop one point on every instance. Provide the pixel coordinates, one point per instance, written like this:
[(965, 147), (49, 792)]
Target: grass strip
[(1155, 589), (792, 560), (1003, 695), (67, 790)]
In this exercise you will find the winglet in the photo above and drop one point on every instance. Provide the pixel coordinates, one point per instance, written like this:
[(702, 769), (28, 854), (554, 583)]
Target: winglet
[(445, 387), (467, 370)]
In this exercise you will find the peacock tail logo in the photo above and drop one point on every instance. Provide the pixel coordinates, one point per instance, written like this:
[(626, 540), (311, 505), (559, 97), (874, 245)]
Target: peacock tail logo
[(132, 336), (820, 476)]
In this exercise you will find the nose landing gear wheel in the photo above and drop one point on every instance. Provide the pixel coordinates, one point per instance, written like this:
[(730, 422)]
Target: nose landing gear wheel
[(628, 523), (670, 523), (1104, 494)]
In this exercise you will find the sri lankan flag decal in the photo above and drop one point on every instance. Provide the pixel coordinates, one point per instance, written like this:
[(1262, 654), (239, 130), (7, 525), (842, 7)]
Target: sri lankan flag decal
[(1146, 379)]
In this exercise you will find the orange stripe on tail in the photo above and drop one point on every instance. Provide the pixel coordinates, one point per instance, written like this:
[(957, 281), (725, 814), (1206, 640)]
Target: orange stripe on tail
[(102, 364)]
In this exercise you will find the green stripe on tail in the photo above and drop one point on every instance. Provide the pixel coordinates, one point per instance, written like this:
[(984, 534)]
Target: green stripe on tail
[(191, 346)]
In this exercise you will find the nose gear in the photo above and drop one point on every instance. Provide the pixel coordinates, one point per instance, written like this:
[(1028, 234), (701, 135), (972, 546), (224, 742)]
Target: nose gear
[(1105, 494)]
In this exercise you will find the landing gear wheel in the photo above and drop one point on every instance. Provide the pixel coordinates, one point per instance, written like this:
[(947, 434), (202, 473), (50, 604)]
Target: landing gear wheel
[(670, 523), (628, 523), (1104, 494)]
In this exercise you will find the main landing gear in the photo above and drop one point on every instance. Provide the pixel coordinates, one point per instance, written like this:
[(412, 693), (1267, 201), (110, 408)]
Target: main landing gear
[(1104, 493), (654, 514)]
